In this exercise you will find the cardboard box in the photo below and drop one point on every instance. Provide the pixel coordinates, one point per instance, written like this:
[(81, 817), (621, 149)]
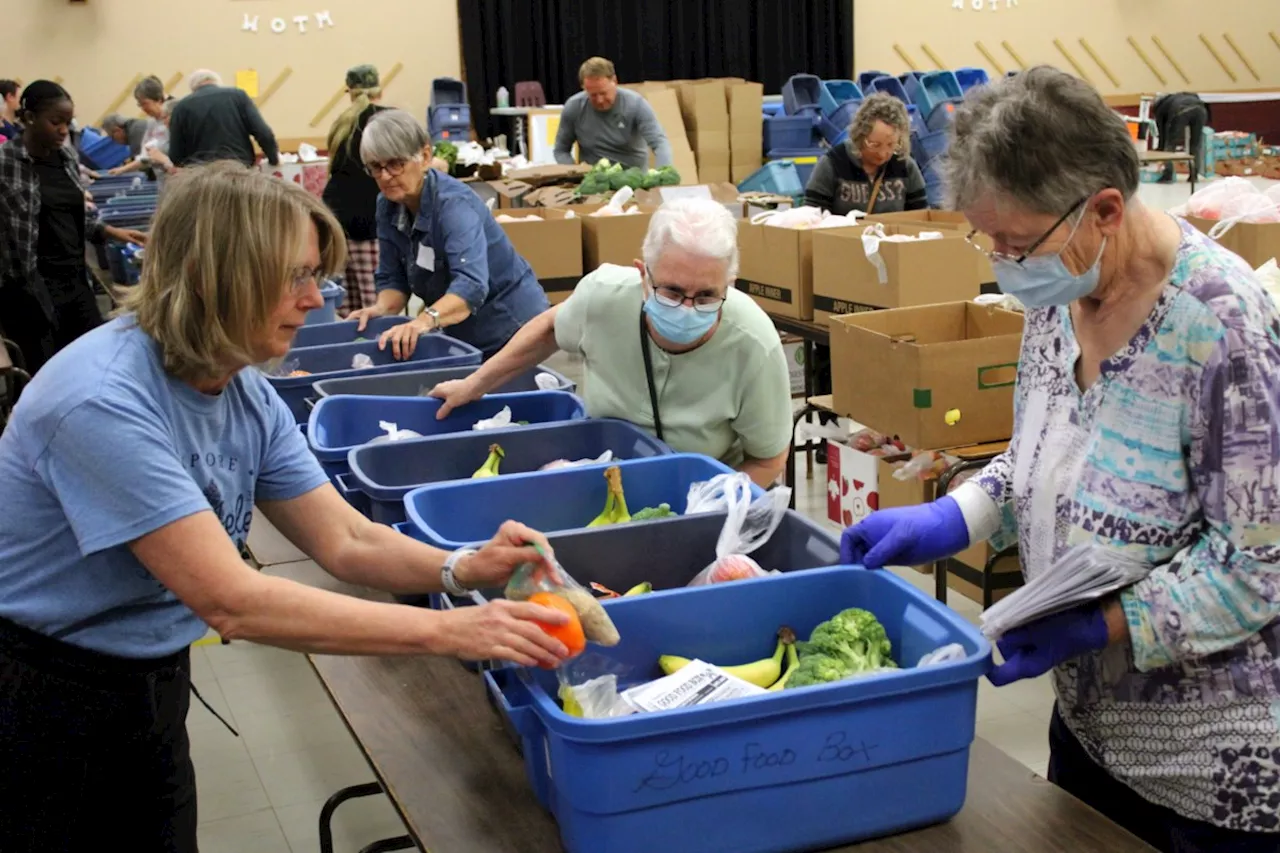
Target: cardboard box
[(900, 371), (775, 267), (553, 247), (612, 239), (945, 220), (541, 176), (746, 107), (975, 557), (746, 155), (860, 483), (713, 165), (793, 349), (703, 105), (666, 108), (725, 193), (510, 193), (1256, 242), (923, 272)]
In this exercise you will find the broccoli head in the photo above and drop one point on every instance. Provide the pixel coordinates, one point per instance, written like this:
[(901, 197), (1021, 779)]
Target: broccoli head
[(602, 165), (855, 636), (816, 669), (668, 176)]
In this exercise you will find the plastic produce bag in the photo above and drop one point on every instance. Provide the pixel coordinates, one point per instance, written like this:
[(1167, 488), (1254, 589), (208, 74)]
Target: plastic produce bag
[(805, 217), (943, 654), (748, 526), (498, 421), (548, 576), (546, 382), (875, 235), (361, 361), (607, 456), (393, 433)]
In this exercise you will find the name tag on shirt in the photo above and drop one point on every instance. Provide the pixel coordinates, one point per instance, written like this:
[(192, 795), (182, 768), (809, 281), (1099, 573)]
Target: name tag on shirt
[(427, 258)]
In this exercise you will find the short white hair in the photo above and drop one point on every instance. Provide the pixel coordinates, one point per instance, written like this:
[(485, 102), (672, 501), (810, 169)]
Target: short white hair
[(204, 77), (699, 226), (392, 135)]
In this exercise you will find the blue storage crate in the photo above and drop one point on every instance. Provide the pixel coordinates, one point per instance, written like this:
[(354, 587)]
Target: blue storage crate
[(382, 474), (890, 86), (101, 151), (779, 177), (448, 90), (344, 331), (929, 147), (865, 78), (124, 269), (942, 116), (837, 93), (805, 161), (416, 383), (934, 186), (333, 362), (842, 762), (328, 313), (451, 515), (773, 108), (789, 131), (802, 93), (969, 77)]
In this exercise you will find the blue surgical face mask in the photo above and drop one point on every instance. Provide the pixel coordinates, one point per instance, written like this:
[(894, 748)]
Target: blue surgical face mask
[(1043, 280), (680, 324)]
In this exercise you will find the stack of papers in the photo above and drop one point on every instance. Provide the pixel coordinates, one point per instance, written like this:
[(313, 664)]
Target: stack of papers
[(696, 683), (1085, 573)]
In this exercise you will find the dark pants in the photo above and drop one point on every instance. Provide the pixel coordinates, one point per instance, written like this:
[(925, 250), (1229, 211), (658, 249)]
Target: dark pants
[(75, 311), (93, 749), (1173, 137), (1071, 769)]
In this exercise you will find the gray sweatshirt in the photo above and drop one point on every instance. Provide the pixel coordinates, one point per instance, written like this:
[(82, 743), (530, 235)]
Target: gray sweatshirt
[(624, 133)]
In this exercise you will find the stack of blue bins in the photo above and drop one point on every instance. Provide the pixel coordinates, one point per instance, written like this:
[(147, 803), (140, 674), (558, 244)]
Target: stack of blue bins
[(126, 203), (449, 116), (100, 151)]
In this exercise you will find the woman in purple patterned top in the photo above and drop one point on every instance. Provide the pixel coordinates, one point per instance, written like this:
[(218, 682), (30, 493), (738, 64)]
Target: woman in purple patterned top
[(1145, 424)]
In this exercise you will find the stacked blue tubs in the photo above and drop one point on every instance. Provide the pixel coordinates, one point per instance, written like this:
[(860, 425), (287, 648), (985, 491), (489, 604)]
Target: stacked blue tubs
[(800, 769), (334, 361), (340, 424), (382, 474), (417, 383), (449, 116)]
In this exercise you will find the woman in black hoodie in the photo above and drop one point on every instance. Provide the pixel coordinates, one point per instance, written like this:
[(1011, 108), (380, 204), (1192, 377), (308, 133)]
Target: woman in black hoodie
[(872, 170), (351, 194)]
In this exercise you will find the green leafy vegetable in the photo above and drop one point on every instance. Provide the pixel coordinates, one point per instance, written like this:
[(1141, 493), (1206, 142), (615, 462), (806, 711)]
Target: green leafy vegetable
[(853, 642), (649, 512), (446, 151)]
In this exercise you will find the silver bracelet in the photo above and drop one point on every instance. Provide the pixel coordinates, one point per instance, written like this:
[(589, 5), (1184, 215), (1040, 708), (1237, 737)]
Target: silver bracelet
[(447, 578)]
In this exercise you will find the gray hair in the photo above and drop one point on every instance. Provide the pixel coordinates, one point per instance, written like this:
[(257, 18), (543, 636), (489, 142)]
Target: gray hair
[(1044, 138), (204, 77), (149, 89), (881, 107), (166, 108), (392, 135), (699, 226), (113, 122)]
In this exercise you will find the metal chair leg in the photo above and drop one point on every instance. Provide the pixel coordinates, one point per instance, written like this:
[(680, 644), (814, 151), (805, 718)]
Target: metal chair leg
[(368, 789), (402, 842)]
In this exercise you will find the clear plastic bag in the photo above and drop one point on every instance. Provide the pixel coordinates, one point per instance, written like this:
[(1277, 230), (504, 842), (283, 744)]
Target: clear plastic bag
[(748, 526), (549, 576), (393, 433), (361, 361), (498, 421)]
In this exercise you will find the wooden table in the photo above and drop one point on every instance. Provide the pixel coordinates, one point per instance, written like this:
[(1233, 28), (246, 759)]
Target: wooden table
[(444, 760)]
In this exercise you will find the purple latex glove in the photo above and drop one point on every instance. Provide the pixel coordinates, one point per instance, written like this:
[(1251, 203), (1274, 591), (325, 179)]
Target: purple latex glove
[(908, 536), (1034, 649)]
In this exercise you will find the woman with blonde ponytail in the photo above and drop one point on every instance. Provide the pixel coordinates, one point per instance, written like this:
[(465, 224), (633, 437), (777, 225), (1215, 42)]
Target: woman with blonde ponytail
[(351, 194)]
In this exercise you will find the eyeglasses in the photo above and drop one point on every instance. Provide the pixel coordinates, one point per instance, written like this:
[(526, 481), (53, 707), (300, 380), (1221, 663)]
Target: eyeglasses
[(299, 279), (393, 168), (1030, 250), (673, 298)]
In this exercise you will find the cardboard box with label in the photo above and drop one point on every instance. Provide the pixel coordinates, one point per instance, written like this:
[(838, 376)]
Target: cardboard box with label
[(612, 239), (918, 272), (552, 244), (793, 350), (860, 483), (775, 267), (937, 376), (1256, 242)]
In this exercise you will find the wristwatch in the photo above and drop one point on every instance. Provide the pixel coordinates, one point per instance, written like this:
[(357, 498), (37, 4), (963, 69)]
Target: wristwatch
[(435, 318), (447, 578)]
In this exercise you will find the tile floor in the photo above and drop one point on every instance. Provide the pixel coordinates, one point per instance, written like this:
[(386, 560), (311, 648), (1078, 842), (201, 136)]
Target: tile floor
[(262, 792)]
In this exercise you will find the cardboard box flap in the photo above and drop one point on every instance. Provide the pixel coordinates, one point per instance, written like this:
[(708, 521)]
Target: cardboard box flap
[(539, 176), (550, 197)]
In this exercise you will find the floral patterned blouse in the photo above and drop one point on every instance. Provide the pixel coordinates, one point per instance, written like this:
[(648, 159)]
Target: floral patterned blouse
[(1173, 456)]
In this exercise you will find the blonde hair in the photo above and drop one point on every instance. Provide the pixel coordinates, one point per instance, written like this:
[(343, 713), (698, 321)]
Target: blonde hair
[(888, 109), (596, 66), (344, 126), (220, 256)]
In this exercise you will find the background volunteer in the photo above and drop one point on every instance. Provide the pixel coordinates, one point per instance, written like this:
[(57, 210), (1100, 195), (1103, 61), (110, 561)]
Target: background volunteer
[(217, 122), (719, 374), (608, 121)]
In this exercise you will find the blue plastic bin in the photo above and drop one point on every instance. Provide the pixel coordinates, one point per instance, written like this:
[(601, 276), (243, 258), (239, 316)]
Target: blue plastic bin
[(805, 160), (382, 474), (317, 334), (890, 86), (969, 77), (101, 151), (789, 131), (327, 314), (803, 769), (334, 361), (942, 115), (779, 177), (929, 147), (340, 424), (416, 383), (802, 93), (938, 87), (935, 187), (451, 515), (836, 93), (865, 78)]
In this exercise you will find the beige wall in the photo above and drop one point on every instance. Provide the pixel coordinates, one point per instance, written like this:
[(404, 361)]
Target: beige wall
[(97, 48), (1031, 26)]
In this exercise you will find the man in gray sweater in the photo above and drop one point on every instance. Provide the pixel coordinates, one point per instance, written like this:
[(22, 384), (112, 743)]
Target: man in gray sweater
[(609, 122)]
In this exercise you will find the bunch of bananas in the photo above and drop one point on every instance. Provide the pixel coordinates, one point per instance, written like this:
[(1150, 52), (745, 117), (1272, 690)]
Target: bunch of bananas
[(766, 672)]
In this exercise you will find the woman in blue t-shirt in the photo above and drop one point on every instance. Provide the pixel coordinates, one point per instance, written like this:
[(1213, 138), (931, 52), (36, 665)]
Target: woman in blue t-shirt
[(128, 476)]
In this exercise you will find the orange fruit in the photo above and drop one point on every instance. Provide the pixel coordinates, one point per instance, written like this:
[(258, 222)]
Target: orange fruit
[(570, 633)]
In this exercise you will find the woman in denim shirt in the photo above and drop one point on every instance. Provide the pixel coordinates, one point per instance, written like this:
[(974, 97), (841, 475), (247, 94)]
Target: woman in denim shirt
[(438, 241)]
